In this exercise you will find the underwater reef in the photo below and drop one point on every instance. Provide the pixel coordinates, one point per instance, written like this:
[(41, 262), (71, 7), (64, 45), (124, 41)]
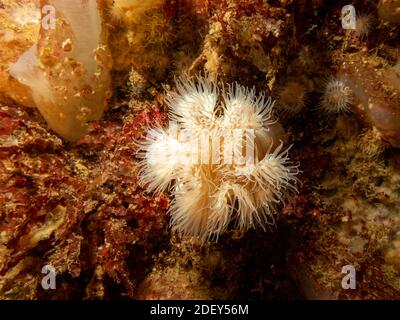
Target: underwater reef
[(92, 181)]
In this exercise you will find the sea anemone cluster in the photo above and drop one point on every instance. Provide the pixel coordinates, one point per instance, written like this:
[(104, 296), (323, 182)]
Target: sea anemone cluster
[(210, 193)]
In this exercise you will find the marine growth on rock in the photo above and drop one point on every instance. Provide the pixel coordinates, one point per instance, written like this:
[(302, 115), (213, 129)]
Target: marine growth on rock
[(130, 184)]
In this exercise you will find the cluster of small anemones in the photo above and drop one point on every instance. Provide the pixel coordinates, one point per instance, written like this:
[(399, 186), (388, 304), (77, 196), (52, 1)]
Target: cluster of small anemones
[(209, 196)]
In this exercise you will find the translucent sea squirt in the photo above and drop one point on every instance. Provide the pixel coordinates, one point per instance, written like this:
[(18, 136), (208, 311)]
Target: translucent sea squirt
[(68, 69)]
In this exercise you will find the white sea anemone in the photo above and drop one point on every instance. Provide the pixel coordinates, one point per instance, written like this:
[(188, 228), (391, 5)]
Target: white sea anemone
[(162, 164), (211, 195), (337, 97), (193, 103)]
